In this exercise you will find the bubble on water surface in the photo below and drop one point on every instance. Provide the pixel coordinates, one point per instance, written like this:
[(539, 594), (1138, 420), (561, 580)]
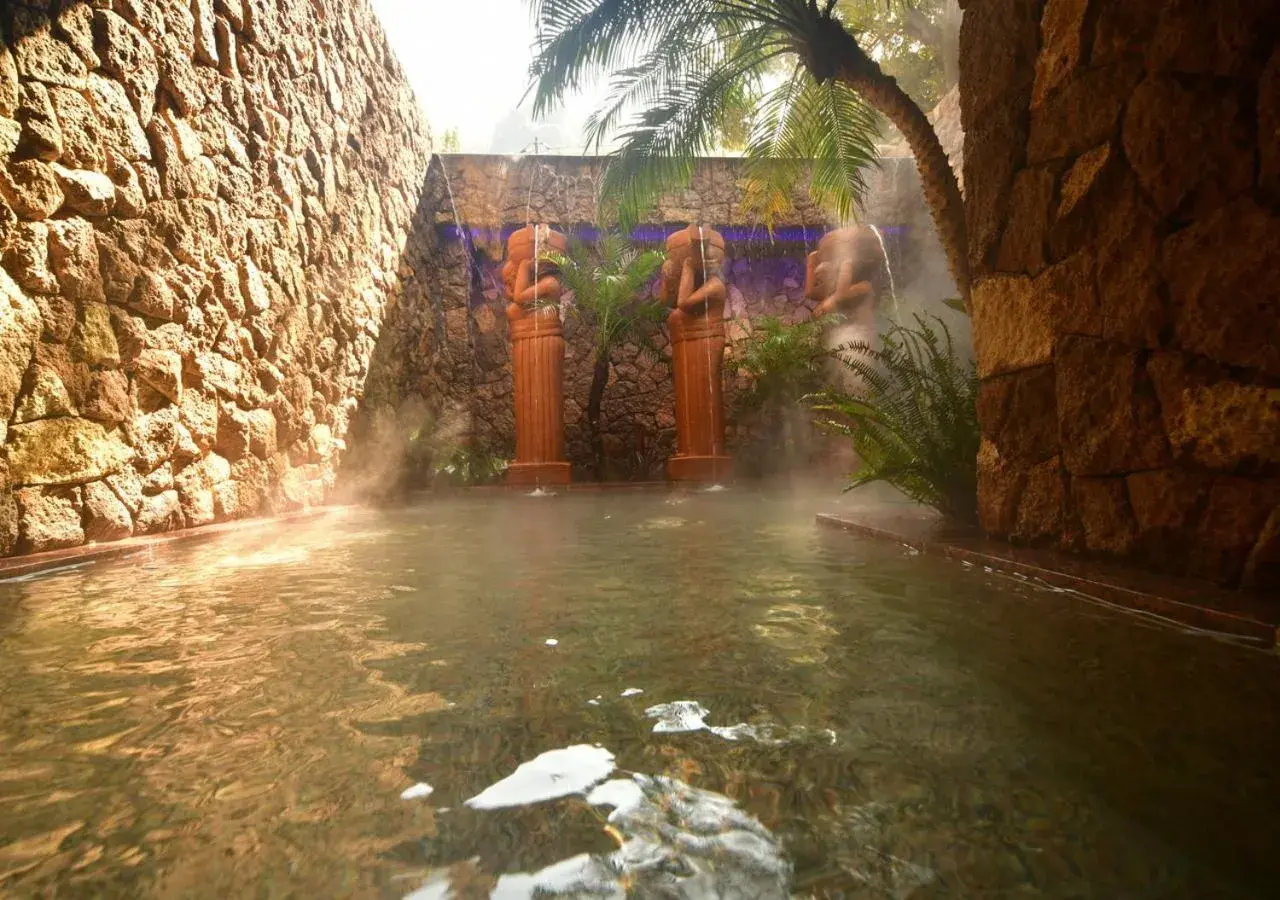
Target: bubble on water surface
[(551, 642), (556, 773)]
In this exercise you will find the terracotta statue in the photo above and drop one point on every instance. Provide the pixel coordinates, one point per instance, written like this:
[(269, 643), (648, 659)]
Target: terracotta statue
[(693, 284), (839, 277), (537, 351)]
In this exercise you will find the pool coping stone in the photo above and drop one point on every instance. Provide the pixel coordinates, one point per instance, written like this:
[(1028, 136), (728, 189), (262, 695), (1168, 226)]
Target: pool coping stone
[(1195, 604)]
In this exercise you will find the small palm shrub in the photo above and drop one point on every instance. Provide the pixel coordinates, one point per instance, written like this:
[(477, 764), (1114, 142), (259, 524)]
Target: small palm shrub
[(784, 364), (915, 424), (610, 284)]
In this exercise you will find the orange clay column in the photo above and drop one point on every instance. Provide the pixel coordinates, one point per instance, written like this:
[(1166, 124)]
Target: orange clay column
[(537, 352), (693, 284)]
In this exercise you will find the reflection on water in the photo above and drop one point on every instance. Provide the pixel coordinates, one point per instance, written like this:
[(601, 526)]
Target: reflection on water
[(310, 713)]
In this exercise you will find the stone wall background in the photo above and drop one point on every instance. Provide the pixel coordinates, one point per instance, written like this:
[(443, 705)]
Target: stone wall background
[(1122, 167), (460, 343), (205, 208)]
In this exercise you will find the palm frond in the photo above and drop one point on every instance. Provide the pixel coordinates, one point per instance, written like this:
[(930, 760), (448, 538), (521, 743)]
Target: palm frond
[(609, 282), (804, 128), (681, 73)]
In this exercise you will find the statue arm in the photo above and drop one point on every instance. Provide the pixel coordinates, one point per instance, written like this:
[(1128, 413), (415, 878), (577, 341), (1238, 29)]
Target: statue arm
[(848, 293), (547, 288), (811, 288), (691, 300)]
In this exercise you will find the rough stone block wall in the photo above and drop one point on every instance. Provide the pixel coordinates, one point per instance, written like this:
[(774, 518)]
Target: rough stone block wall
[(460, 342), (205, 209), (1122, 168)]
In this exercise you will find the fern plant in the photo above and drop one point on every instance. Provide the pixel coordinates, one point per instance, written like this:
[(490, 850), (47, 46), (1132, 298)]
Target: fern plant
[(610, 284), (915, 423)]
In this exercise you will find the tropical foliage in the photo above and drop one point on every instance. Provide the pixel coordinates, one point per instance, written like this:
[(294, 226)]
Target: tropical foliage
[(915, 41), (463, 466), (610, 283), (681, 70), (784, 362), (784, 365), (915, 424)]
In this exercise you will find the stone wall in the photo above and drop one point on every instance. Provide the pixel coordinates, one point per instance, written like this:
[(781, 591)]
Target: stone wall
[(1122, 167), (460, 343), (205, 207)]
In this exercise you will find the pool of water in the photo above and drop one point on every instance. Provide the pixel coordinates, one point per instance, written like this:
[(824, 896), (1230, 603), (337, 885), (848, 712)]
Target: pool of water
[(595, 694)]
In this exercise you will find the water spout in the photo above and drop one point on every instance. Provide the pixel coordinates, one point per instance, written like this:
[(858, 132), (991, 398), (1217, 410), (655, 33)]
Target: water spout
[(893, 291)]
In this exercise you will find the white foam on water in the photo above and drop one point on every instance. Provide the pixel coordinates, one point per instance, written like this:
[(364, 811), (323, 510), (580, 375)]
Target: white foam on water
[(578, 876), (623, 794), (540, 492), (403, 588), (678, 716), (683, 716), (551, 642), (556, 773), (631, 692), (676, 841), (714, 489), (418, 791)]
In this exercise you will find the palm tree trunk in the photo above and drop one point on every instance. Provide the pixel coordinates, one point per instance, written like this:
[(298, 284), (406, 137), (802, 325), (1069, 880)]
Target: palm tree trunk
[(595, 399), (835, 54)]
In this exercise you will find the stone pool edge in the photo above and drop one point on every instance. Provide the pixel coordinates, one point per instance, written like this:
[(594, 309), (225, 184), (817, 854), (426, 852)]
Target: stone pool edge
[(1196, 605), (35, 563)]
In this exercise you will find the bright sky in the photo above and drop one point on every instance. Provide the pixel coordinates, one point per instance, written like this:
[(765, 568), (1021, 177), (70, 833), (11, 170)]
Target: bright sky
[(468, 62)]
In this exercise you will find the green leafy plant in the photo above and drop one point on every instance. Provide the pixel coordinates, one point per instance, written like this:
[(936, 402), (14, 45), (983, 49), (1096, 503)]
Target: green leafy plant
[(784, 362), (915, 423), (466, 467), (784, 365), (610, 284), (679, 73)]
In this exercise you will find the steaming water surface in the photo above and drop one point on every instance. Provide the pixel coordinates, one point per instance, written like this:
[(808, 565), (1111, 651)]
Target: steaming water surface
[(590, 695)]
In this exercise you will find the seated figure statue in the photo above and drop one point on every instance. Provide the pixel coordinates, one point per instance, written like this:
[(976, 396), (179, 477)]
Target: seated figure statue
[(840, 276), (537, 349), (693, 284)]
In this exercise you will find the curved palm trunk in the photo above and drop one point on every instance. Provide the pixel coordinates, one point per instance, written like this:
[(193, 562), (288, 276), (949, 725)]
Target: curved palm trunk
[(835, 54), (599, 380)]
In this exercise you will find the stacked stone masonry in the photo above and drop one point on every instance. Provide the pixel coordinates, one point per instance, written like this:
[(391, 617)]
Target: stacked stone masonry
[(206, 207), (1122, 168)]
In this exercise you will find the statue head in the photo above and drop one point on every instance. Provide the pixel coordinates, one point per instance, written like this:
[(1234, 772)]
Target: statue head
[(690, 244), (523, 244), (857, 244)]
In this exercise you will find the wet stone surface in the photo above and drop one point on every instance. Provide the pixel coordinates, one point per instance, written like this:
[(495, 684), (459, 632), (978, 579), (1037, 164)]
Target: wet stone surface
[(664, 694)]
